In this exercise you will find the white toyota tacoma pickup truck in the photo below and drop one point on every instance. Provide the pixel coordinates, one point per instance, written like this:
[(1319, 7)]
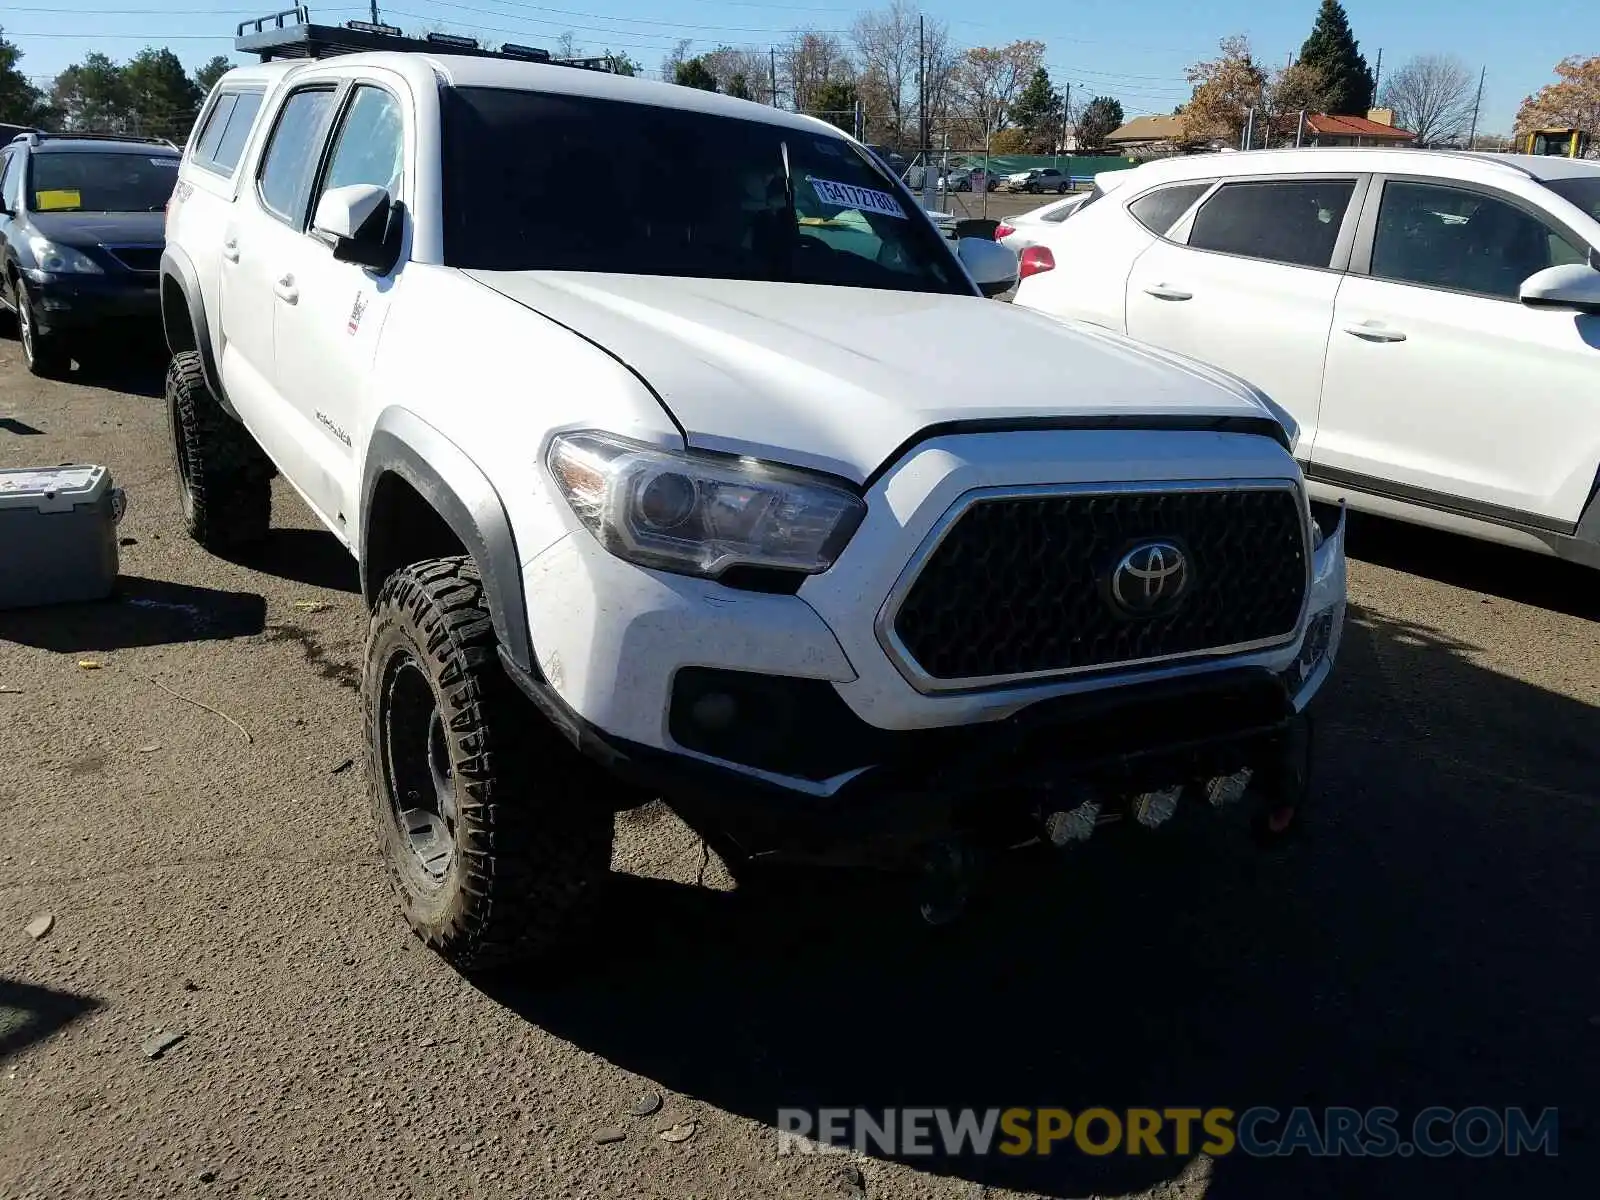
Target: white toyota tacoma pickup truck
[(692, 486)]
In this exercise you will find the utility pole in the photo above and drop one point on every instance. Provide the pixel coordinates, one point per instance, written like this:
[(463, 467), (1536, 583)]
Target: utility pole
[(1377, 77), (375, 20), (1474, 131), (1066, 117), (773, 54)]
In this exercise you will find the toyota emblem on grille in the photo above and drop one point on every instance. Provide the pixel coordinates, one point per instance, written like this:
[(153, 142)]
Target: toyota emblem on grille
[(1149, 580)]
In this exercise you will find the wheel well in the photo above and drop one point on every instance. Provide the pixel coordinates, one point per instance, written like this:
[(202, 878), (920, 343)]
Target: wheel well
[(401, 528), (175, 321)]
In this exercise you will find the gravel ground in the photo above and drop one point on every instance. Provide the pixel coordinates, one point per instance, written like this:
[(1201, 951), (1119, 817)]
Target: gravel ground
[(1432, 941)]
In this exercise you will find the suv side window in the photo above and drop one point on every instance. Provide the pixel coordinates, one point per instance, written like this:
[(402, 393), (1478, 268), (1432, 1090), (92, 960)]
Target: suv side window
[(226, 129), (11, 179), (1293, 221), (291, 156), (1447, 237), (370, 144), (1158, 210)]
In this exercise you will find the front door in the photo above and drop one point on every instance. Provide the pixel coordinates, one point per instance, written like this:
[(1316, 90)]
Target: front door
[(1249, 286), (327, 334), (1441, 387)]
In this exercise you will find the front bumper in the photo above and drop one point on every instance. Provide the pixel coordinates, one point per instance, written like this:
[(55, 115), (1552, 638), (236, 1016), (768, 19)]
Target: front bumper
[(781, 715), (73, 303)]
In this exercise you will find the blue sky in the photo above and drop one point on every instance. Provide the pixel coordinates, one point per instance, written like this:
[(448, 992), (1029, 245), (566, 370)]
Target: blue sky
[(1135, 51)]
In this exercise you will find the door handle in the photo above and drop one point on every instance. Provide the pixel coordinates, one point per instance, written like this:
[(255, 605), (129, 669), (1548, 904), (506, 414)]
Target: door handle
[(1375, 331), (230, 249), (1162, 292), (286, 291)]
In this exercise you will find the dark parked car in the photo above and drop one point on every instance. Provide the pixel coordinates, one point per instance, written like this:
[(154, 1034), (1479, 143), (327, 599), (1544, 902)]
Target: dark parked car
[(82, 226)]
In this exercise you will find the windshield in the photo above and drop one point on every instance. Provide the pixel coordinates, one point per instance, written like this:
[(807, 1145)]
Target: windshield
[(669, 192), (111, 181), (1584, 191)]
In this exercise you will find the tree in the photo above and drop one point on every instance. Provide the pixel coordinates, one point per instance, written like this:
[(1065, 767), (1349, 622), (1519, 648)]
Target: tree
[(739, 87), (1572, 102), (1037, 112), (729, 62), (161, 97), (675, 58), (20, 102), (1432, 95), (808, 62), (1290, 91), (989, 79), (567, 46), (205, 78), (1225, 89), (695, 74), (92, 95), (1101, 117), (1010, 141), (836, 104), (1333, 50)]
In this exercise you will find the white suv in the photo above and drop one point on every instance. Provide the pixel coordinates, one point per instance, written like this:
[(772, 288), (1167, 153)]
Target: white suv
[(1431, 319), (679, 487)]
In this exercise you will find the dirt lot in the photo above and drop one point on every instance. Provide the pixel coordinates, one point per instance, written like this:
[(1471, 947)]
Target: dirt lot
[(1432, 941)]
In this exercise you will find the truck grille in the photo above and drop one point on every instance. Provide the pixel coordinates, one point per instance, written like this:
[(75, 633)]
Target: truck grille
[(1020, 585), (137, 258)]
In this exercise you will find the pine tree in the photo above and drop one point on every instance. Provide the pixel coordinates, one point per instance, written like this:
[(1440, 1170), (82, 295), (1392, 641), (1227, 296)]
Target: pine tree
[(1038, 110), (20, 102), (694, 73), (1332, 49)]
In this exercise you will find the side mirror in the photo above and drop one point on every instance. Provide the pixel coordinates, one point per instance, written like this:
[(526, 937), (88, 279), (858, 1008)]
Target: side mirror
[(358, 219), (993, 267), (1573, 286)]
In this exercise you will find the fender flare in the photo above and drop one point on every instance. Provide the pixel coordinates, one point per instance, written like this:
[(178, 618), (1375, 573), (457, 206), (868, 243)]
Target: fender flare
[(456, 488), (176, 265)]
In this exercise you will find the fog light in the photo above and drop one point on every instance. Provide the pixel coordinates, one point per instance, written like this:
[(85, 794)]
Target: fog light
[(1313, 649), (1073, 825), (1151, 809), (1228, 789), (715, 711)]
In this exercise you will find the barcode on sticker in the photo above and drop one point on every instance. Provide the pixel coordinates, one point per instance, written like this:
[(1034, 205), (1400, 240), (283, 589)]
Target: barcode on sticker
[(847, 195)]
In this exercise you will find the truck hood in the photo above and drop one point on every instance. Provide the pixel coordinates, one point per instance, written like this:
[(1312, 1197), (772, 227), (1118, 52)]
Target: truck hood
[(839, 379)]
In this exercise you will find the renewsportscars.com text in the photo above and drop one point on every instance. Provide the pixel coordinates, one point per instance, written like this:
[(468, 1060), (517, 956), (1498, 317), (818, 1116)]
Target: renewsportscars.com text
[(1477, 1132)]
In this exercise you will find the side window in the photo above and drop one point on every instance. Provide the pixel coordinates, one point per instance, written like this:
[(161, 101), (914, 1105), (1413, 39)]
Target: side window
[(291, 156), (1157, 210), (205, 145), (1447, 237), (370, 144), (11, 180), (1292, 221), (241, 120)]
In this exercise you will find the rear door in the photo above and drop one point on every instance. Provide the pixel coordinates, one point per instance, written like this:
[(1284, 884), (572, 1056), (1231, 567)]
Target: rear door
[(264, 225), (11, 192), (1441, 387), (1246, 281)]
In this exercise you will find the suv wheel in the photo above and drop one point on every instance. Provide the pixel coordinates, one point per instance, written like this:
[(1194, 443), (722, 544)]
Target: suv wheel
[(45, 353), (224, 480), (495, 831)]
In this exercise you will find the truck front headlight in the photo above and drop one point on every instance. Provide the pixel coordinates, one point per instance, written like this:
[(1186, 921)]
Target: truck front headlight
[(61, 260), (699, 514)]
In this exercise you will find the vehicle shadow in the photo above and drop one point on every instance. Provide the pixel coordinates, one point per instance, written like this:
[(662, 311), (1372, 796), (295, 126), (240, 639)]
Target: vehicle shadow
[(310, 556), (141, 612), (30, 1014), (1520, 575), (130, 364), (1428, 942)]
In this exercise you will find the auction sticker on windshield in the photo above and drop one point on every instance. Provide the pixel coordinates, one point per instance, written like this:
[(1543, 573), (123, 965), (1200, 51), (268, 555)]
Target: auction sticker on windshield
[(847, 195)]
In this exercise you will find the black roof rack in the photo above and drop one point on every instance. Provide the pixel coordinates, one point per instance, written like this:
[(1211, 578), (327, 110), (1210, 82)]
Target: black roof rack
[(291, 34), (34, 137)]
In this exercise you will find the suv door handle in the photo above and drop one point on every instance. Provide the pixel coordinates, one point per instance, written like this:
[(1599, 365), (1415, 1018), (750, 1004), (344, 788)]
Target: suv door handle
[(1375, 331), (1162, 292), (230, 249), (286, 291)]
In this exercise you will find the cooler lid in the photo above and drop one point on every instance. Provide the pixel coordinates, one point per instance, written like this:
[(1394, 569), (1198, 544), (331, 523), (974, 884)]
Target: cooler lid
[(52, 489)]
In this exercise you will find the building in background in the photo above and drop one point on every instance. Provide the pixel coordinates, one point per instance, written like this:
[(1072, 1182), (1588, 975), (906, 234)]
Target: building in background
[(1377, 128)]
